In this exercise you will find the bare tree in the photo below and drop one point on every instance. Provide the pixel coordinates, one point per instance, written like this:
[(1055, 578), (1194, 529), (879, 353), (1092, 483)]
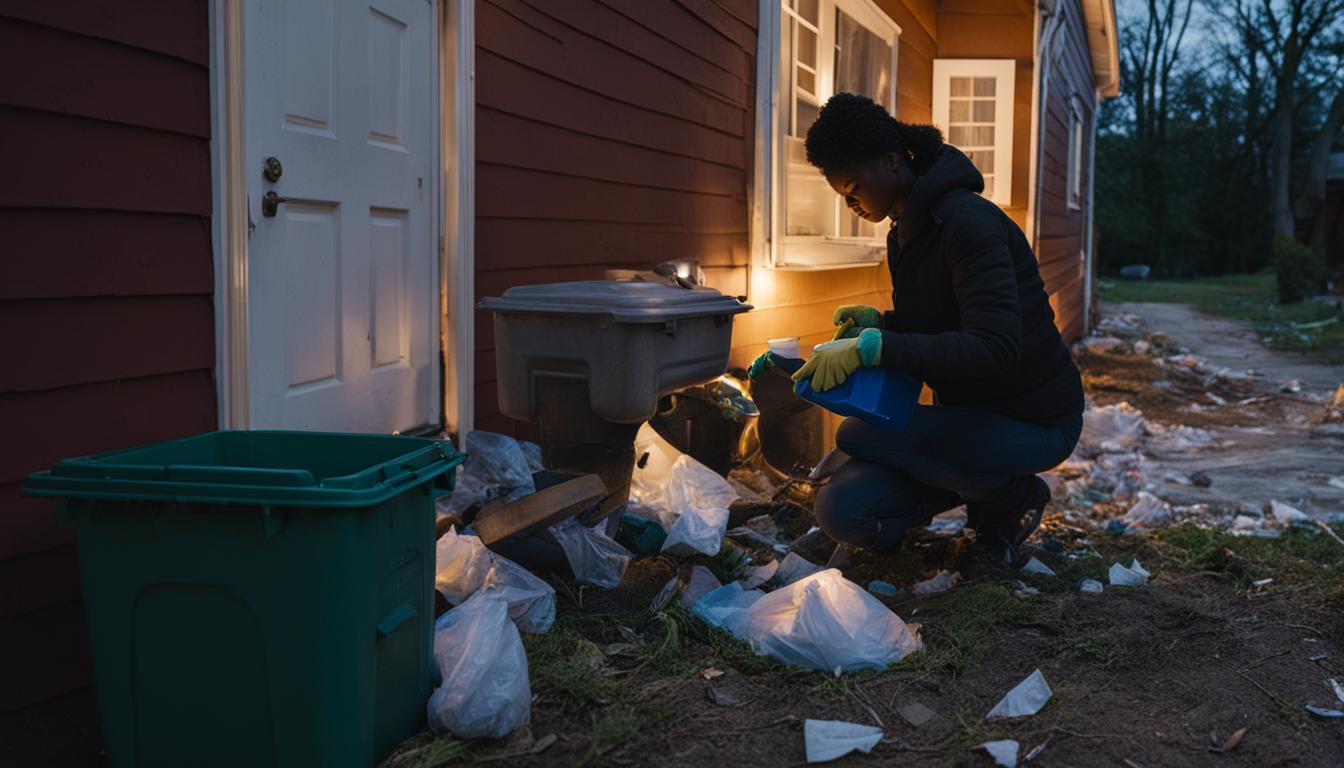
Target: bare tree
[(1149, 61), (1285, 31)]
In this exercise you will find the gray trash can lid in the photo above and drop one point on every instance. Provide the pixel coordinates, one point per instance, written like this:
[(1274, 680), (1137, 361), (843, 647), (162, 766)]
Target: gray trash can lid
[(625, 301)]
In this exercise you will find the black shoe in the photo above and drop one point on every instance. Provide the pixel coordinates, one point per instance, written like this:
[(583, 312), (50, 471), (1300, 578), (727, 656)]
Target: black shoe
[(1001, 536)]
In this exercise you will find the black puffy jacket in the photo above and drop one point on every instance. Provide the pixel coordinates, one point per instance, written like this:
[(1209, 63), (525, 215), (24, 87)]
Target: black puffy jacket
[(971, 316)]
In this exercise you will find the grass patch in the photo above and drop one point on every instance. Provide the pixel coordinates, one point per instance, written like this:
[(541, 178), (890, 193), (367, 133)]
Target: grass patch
[(963, 620), (1249, 298)]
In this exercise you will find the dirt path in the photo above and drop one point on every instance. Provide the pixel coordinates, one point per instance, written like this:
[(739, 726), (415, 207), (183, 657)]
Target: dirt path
[(1278, 450)]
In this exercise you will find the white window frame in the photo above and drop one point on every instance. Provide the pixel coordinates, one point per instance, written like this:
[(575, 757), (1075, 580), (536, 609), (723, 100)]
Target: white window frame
[(771, 177), (1004, 73), (1075, 160)]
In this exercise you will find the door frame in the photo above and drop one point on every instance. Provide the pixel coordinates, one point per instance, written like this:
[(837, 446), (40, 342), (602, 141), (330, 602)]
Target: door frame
[(452, 209)]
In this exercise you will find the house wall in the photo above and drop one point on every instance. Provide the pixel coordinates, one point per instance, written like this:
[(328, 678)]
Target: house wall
[(105, 298), (608, 136), (998, 29), (1061, 237)]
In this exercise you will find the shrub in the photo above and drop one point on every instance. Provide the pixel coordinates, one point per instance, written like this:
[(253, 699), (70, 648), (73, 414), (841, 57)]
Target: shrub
[(1299, 272)]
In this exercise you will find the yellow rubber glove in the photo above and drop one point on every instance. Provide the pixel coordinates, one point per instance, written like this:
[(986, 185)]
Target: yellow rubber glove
[(863, 316), (831, 363)]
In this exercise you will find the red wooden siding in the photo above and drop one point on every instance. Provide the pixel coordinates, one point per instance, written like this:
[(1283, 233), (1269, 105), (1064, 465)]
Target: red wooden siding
[(1061, 238), (106, 285), (609, 135)]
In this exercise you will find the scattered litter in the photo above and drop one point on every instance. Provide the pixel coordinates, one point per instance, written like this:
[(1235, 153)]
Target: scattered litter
[(1025, 699), (793, 568), (665, 595), (885, 588), (754, 576), (1132, 576), (464, 566), (1023, 589), (941, 582), (1215, 398), (480, 656), (496, 467), (827, 740), (1319, 657), (948, 523), (1200, 479), (1036, 566), (1111, 429), (1090, 585), (1339, 689), (1231, 742), (1147, 512), (726, 607), (697, 530), (1261, 582), (1336, 482), (701, 583), (1099, 343), (722, 698), (1285, 514), (1035, 751), (1323, 712), (1177, 439), (709, 673), (916, 714), (645, 535), (531, 452), (1003, 751), (593, 557), (1291, 386), (670, 483)]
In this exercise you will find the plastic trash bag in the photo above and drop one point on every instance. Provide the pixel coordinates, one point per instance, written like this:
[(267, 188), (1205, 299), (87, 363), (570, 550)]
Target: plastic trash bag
[(532, 452), (1133, 576), (754, 576), (1036, 566), (697, 530), (593, 557), (826, 740), (464, 566), (726, 607), (496, 467), (949, 523), (1026, 698), (828, 623), (941, 582), (1287, 515), (1090, 585), (793, 568), (1110, 429), (701, 583), (1003, 751), (1147, 512), (479, 653)]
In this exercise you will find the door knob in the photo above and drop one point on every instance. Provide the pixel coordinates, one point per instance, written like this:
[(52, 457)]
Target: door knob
[(270, 203), (271, 170)]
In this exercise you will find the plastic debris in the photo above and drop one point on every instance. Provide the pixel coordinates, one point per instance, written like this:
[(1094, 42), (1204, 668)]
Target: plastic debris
[(665, 595), (1319, 657), (1339, 689), (1090, 585), (916, 714), (697, 530), (1023, 589), (1323, 712), (593, 557), (496, 467), (726, 607), (1035, 751), (1336, 482), (754, 576), (827, 740), (1003, 751), (1285, 514), (793, 568), (1036, 566), (464, 566), (949, 523), (645, 536), (1025, 699), (1133, 576), (531, 452), (1178, 438), (827, 622), (941, 582), (669, 482), (479, 653), (701, 583), (1111, 429), (1147, 512), (883, 588), (1262, 582)]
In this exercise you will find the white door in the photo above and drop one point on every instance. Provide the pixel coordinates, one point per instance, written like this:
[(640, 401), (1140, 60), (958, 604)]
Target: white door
[(342, 271)]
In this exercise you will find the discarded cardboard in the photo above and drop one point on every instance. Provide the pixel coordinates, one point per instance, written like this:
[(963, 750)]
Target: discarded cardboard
[(503, 518)]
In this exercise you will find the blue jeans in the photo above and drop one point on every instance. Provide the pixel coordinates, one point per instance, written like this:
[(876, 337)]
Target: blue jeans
[(943, 457)]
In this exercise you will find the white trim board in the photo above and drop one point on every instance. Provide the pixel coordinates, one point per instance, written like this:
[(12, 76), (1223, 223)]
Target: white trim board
[(453, 210)]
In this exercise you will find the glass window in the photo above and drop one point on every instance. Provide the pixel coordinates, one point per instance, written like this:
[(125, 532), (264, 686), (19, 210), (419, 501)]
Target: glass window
[(973, 104)]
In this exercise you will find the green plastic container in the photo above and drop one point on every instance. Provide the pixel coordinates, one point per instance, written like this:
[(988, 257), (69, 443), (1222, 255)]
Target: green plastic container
[(257, 598)]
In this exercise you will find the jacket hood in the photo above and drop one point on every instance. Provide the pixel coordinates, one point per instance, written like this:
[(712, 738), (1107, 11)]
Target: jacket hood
[(952, 170)]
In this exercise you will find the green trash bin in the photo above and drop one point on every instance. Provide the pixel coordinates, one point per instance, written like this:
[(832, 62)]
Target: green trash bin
[(257, 598)]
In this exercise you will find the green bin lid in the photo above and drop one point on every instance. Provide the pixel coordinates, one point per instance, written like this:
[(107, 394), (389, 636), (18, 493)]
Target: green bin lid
[(254, 468)]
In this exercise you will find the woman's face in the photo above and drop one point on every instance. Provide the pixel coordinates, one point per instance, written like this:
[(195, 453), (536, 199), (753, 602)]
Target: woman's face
[(876, 190)]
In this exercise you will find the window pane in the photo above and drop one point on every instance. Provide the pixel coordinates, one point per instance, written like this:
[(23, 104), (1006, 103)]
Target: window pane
[(810, 204), (807, 114), (807, 81), (981, 136), (807, 46), (989, 185), (808, 10), (862, 61), (959, 111), (983, 160), (853, 226), (984, 86), (959, 135), (961, 86), (982, 111)]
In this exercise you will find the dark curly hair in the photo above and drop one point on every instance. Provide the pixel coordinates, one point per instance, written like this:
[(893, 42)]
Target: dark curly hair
[(855, 130)]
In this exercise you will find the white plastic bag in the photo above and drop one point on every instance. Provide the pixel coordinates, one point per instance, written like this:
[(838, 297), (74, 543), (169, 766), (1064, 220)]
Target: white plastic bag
[(726, 607), (496, 467), (754, 576), (697, 530), (828, 623), (671, 484), (794, 567), (1003, 751), (1110, 429), (1148, 512), (826, 740), (941, 582), (1026, 698), (593, 557), (1037, 567), (463, 566), (485, 690), (1133, 576)]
